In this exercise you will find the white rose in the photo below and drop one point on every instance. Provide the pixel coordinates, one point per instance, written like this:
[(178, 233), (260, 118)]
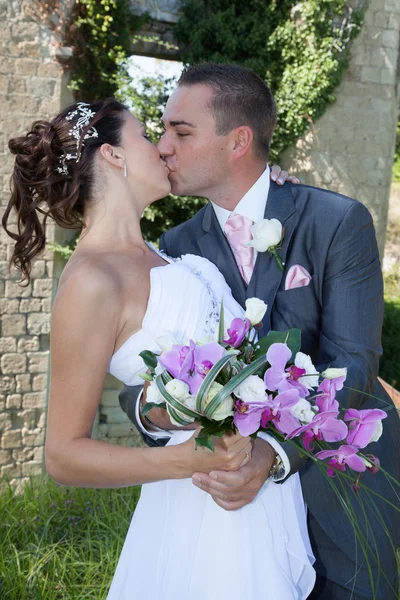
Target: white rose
[(255, 310), (153, 394), (303, 411), (266, 233), (332, 373), (251, 389), (378, 432), (303, 361), (178, 389), (225, 409), (166, 342)]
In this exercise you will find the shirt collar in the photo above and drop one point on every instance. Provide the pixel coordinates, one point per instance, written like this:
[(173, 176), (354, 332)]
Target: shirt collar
[(252, 205)]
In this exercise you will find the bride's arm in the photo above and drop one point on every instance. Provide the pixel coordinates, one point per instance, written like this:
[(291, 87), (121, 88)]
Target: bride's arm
[(84, 327)]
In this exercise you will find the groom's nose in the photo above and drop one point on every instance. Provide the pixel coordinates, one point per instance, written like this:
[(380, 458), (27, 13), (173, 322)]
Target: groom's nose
[(165, 147)]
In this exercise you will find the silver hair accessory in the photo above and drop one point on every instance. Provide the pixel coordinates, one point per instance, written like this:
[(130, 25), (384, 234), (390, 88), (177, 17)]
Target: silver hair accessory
[(85, 114)]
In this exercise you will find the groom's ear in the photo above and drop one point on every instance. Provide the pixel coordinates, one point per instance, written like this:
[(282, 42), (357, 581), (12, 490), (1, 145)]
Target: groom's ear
[(111, 155), (242, 141)]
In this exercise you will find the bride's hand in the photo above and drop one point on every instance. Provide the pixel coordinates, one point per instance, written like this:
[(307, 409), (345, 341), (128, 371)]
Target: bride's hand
[(231, 452)]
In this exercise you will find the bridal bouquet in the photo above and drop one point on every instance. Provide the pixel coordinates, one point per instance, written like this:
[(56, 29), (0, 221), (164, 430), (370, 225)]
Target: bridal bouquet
[(248, 384)]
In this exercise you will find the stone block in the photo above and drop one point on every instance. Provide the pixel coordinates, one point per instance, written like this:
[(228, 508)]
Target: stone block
[(49, 69), (370, 75), (13, 290), (2, 402), (38, 269), (33, 437), (13, 470), (388, 76), (5, 457), (38, 323), (30, 305), (41, 86), (113, 415), (42, 288), (28, 344), (5, 421), (39, 383), (109, 398), (13, 325), (32, 468), (17, 86), (381, 19), (34, 400), (30, 50), (23, 454), (4, 84), (116, 430), (24, 30), (390, 38), (25, 66), (11, 439), (8, 306), (394, 21), (28, 418), (23, 383), (12, 364), (392, 6), (13, 401), (46, 305), (7, 384), (7, 344), (38, 362)]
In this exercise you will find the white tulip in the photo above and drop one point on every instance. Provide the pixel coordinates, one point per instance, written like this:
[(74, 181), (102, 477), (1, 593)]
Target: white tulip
[(255, 310), (303, 411), (303, 361), (267, 233), (333, 373), (153, 394), (225, 409), (251, 389)]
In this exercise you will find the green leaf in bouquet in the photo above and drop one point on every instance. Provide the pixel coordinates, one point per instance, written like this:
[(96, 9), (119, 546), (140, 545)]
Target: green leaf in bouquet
[(204, 441), (146, 376), (173, 402), (212, 429), (211, 377), (233, 383), (177, 416), (221, 324), (149, 358), (291, 337), (150, 405)]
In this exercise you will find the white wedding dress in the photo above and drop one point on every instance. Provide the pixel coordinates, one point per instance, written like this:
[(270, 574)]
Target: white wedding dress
[(180, 544)]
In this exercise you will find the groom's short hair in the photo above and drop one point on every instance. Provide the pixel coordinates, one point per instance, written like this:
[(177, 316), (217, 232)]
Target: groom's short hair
[(240, 98)]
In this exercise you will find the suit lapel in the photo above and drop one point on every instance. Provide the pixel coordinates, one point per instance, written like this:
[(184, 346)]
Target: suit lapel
[(214, 246), (267, 276)]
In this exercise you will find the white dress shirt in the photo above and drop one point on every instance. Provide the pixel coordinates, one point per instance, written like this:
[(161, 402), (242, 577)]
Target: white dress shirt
[(252, 206)]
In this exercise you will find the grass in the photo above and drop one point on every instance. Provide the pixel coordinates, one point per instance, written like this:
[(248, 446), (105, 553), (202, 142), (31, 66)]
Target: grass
[(389, 368), (59, 543)]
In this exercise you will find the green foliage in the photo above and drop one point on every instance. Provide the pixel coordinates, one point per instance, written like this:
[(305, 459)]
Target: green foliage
[(389, 368), (103, 33), (61, 543), (301, 49)]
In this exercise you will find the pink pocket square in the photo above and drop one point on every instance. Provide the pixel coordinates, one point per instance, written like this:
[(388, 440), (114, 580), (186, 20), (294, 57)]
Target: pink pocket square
[(297, 277)]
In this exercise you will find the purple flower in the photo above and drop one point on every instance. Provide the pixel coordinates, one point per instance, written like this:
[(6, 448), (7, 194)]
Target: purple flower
[(280, 378), (324, 426), (248, 416), (237, 332), (278, 411), (374, 463), (327, 389), (191, 363), (345, 455), (365, 426)]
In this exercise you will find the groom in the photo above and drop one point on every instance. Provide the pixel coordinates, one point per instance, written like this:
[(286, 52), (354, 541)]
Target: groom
[(218, 126)]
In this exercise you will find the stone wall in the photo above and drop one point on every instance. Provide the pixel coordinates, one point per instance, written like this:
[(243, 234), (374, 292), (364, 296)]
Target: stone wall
[(351, 148)]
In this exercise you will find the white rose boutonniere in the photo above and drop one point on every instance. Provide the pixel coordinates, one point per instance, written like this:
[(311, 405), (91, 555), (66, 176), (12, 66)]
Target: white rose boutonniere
[(268, 235), (255, 310)]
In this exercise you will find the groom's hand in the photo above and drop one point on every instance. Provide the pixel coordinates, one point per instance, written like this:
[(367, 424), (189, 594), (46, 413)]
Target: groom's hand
[(234, 489)]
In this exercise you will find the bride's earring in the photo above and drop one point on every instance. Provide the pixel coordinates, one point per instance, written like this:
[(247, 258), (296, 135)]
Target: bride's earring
[(125, 171)]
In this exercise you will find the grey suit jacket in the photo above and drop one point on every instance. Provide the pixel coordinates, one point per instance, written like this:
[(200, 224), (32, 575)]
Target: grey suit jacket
[(340, 314)]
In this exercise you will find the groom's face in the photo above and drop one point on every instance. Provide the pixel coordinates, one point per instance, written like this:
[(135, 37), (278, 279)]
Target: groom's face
[(197, 158)]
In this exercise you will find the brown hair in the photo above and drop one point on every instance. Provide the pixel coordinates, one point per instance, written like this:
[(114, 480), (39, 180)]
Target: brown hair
[(240, 98), (39, 188)]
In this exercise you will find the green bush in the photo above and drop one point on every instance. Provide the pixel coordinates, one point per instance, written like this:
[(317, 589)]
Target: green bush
[(58, 543), (390, 362)]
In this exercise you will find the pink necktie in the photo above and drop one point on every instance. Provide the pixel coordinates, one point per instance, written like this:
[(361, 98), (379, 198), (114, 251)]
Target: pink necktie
[(238, 232)]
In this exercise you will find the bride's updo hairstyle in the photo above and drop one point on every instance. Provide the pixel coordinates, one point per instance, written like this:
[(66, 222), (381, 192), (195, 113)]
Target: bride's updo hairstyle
[(53, 173)]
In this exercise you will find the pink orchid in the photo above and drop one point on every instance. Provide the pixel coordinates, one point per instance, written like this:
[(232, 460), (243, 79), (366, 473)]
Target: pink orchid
[(324, 426), (280, 378), (191, 363), (327, 389), (345, 455), (365, 426), (237, 332), (278, 411), (247, 417)]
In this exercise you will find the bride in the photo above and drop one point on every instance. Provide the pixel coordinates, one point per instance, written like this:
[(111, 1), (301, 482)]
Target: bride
[(117, 296)]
